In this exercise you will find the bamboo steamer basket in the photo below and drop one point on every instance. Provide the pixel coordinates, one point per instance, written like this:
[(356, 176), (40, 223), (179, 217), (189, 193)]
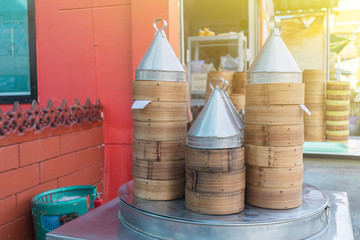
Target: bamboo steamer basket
[(226, 75), (337, 115), (316, 119), (343, 126), (160, 131), (337, 125), (315, 88), (338, 94), (337, 136), (314, 126), (274, 198), (158, 189), (274, 177), (337, 85), (215, 160), (240, 80), (238, 100), (314, 134), (161, 151), (337, 105), (158, 170), (273, 114), (274, 94), (314, 82), (314, 75), (315, 107), (160, 91), (268, 156), (157, 111), (226, 182), (214, 203), (315, 99), (274, 135)]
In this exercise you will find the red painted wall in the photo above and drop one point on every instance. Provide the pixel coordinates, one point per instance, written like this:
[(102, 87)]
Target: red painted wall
[(35, 166), (91, 48)]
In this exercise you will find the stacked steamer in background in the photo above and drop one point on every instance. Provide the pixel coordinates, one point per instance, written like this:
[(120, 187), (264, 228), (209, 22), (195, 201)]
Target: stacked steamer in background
[(214, 159), (274, 130), (160, 127), (314, 81), (226, 75), (337, 111), (238, 96)]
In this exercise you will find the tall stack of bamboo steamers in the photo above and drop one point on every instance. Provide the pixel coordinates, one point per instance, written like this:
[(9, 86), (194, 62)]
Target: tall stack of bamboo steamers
[(209, 162)]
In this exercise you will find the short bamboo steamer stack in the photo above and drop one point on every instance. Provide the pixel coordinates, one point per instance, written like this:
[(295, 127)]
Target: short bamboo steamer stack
[(215, 180), (337, 111), (314, 81), (214, 158), (274, 136), (226, 75), (159, 139)]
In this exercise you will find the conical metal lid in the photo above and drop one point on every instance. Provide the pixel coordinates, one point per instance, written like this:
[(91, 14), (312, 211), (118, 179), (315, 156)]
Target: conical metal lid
[(160, 62), (216, 127), (274, 63)]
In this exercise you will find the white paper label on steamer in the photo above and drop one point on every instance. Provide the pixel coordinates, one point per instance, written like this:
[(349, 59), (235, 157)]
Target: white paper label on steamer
[(139, 104), (303, 107)]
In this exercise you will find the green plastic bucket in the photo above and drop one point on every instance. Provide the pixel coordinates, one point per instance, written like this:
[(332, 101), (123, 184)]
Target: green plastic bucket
[(53, 208)]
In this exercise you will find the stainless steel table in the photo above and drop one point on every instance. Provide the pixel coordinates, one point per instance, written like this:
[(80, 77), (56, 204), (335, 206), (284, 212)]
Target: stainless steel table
[(104, 223)]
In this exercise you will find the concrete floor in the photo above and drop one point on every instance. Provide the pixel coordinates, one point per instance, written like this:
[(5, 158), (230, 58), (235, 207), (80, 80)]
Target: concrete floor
[(337, 175)]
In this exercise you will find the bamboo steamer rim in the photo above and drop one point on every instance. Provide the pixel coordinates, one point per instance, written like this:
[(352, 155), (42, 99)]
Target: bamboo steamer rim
[(215, 182), (337, 113), (314, 71), (274, 157), (161, 151), (159, 131), (291, 114), (337, 102), (154, 170), (215, 160), (274, 177), (215, 204), (158, 111), (337, 133), (338, 92), (338, 83), (160, 91), (275, 94), (337, 123), (274, 198), (158, 189), (333, 141), (274, 135)]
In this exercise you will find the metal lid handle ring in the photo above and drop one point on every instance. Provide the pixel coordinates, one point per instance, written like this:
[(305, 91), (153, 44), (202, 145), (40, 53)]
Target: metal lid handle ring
[(275, 25), (163, 27), (220, 80)]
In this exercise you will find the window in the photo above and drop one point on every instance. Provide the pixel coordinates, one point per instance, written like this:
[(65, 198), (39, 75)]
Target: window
[(18, 77)]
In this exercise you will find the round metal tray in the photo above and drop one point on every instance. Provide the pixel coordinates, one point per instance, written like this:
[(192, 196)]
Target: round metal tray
[(171, 220)]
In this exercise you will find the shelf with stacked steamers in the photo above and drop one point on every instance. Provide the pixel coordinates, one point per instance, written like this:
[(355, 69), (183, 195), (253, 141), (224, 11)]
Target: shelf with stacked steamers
[(214, 159), (160, 127)]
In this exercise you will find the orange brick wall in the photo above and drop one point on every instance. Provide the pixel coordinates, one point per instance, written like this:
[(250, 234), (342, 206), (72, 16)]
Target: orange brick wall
[(32, 167)]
